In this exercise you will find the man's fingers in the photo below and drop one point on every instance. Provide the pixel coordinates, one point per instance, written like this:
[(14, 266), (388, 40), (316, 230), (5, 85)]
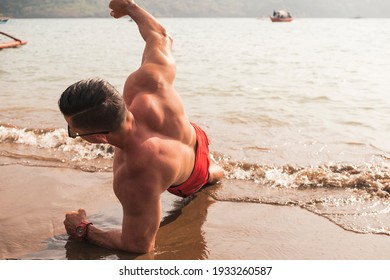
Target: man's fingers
[(70, 213), (114, 15)]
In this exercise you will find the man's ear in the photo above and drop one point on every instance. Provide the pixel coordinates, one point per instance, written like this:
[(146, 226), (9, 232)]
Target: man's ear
[(101, 138)]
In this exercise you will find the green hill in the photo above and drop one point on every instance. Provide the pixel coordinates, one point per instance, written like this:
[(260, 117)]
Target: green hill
[(99, 8), (198, 8)]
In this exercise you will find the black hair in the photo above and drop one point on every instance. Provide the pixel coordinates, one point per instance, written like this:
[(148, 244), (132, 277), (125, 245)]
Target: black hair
[(93, 104)]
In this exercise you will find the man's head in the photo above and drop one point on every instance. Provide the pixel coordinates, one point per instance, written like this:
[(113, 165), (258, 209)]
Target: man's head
[(93, 105)]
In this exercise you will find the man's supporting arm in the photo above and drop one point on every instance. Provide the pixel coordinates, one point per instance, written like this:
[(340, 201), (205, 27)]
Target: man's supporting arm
[(141, 220)]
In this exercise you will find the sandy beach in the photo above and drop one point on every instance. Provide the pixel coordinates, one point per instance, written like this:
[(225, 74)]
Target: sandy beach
[(34, 199)]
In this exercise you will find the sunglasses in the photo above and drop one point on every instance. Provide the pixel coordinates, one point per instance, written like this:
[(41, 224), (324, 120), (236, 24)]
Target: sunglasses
[(73, 134)]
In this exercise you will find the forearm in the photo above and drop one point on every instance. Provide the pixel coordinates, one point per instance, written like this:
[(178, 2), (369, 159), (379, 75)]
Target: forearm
[(158, 48), (111, 239), (148, 26)]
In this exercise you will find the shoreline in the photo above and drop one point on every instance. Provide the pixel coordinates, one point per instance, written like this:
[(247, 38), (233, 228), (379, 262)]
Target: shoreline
[(34, 199)]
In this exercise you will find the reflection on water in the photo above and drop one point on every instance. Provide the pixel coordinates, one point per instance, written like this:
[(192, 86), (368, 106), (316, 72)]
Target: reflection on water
[(180, 236)]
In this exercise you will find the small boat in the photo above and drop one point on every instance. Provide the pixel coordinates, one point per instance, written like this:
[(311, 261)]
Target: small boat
[(11, 44), (281, 16), (274, 19), (4, 20)]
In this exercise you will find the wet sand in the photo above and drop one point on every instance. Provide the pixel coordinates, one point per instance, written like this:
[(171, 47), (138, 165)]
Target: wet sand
[(33, 201)]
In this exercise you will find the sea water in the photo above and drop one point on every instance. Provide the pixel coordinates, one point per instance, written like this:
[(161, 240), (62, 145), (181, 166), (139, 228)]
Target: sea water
[(298, 113)]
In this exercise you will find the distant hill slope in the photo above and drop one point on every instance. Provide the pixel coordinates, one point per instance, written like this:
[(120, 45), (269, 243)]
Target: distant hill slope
[(199, 8)]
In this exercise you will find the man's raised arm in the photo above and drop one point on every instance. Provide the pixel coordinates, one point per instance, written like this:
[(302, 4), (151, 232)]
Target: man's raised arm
[(158, 43)]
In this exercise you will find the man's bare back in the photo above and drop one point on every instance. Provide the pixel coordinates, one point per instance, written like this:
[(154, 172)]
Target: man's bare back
[(157, 148)]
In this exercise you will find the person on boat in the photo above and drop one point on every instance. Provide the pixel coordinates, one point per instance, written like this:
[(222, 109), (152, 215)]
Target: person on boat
[(157, 148)]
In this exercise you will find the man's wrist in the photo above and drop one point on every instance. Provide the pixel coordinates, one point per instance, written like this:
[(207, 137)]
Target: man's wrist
[(131, 5), (82, 230)]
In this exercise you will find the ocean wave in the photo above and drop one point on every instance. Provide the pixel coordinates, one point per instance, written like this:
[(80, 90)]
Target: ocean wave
[(357, 198), (53, 146), (372, 178)]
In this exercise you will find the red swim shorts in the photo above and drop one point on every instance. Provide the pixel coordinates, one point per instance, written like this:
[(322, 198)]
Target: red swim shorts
[(200, 173)]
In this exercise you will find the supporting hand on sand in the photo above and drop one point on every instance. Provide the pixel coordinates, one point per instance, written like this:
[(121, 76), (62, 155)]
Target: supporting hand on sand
[(76, 224)]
